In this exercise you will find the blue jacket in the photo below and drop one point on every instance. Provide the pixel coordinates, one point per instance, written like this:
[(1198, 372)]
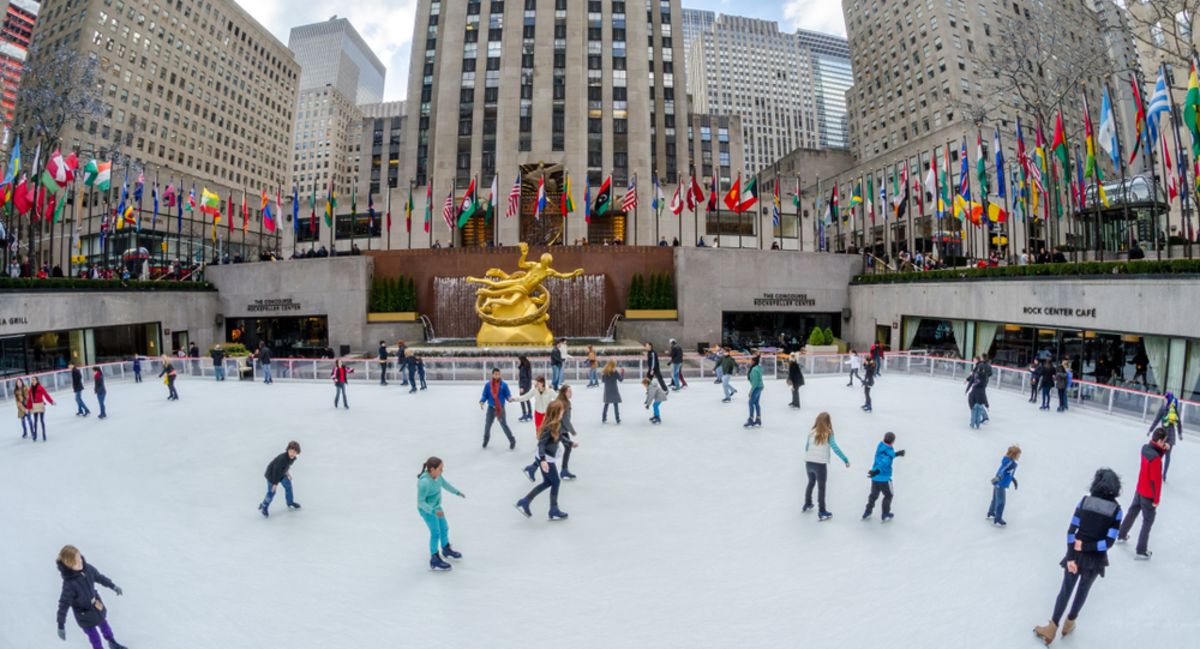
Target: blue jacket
[(1008, 467), (884, 455), (505, 395)]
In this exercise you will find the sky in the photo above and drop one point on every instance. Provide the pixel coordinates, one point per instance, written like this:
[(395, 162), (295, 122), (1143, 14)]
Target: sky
[(387, 25)]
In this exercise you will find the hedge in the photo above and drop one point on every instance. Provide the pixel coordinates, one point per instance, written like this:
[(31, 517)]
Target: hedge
[(392, 295), (1079, 269), (77, 284), (655, 292)]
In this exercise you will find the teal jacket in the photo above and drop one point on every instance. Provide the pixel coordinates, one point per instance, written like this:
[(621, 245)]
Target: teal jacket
[(429, 493), (755, 376)]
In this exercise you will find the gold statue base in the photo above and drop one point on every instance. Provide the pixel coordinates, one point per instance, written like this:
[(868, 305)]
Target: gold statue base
[(524, 336)]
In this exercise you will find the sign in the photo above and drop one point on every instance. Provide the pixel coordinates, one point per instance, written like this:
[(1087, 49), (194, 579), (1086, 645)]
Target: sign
[(277, 305), (15, 320), (784, 300), (1061, 311)]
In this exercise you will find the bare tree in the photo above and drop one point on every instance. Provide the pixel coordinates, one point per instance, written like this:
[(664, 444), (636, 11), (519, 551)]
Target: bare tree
[(1166, 28), (59, 87)]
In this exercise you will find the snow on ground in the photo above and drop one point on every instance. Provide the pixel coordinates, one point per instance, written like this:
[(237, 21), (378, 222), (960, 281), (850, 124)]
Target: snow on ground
[(687, 534)]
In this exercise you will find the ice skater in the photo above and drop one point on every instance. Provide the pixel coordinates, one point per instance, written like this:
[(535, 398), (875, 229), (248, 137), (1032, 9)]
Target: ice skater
[(21, 398), (1092, 532), (877, 358), (1005, 476), (795, 379), (868, 381), (416, 370), (754, 376), (279, 472), (816, 463), (383, 363), (100, 389), (401, 362), (1035, 372), (540, 396), (340, 375), (1167, 418), (855, 363), (79, 595), (593, 367), (549, 451), (655, 396), (729, 367), (1148, 493), (430, 484), (495, 397), (558, 355), (81, 409), (524, 385), (218, 361), (567, 431), (977, 397), (264, 361), (881, 476), (35, 403), (1046, 381), (1062, 383), (652, 366), (168, 376), (610, 377), (677, 381), (137, 369)]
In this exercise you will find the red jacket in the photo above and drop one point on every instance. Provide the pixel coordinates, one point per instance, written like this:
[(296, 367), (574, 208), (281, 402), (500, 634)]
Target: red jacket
[(340, 374), (37, 394), (1150, 477)]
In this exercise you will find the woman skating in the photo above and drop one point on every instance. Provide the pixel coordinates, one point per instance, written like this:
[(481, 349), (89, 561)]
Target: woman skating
[(795, 379), (35, 403), (79, 595), (655, 396), (567, 432), (21, 398), (610, 377), (540, 397), (868, 381), (1093, 530), (816, 462), (593, 367), (756, 388), (168, 376), (524, 384), (340, 376), (1005, 476), (549, 451), (430, 484)]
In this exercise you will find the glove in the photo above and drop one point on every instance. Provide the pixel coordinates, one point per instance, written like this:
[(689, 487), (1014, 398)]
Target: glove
[(1015, 485), (62, 634), (900, 453), (117, 590), (872, 473), (995, 480)]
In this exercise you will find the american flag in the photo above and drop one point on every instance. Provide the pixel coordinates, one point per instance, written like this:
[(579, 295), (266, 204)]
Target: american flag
[(629, 200), (514, 198), (448, 210)]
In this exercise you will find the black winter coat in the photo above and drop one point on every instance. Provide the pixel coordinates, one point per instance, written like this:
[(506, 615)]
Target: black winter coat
[(795, 376), (277, 470), (556, 358), (652, 362), (98, 383), (264, 355), (218, 356), (676, 354), (76, 379), (525, 378), (79, 594)]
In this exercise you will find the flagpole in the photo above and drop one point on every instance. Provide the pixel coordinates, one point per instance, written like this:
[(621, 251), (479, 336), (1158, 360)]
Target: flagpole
[(799, 221), (1184, 202), (429, 208), (911, 239), (695, 212)]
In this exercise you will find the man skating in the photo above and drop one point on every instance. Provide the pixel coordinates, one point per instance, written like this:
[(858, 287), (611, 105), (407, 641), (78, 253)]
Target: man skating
[(495, 396), (1149, 491)]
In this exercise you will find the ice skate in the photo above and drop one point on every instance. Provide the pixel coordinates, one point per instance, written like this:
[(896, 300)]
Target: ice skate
[(824, 516), (749, 424), (262, 508), (806, 509), (113, 644), (566, 475), (1068, 627), (529, 471), (557, 514), (1046, 633), (293, 505), (523, 507), (758, 423), (1143, 556), (436, 563), (450, 553), (886, 517)]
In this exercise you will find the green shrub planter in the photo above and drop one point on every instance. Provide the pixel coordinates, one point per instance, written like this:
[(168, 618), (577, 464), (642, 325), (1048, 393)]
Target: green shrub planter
[(1080, 269)]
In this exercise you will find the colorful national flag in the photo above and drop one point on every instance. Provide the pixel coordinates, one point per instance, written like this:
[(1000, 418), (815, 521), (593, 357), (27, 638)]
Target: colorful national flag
[(1139, 120), (541, 198), (1160, 102), (154, 199), (470, 204), (587, 199), (1172, 186), (490, 210), (630, 199), (1090, 167), (408, 210), (566, 201), (677, 200), (210, 204), (98, 174), (603, 198), (741, 199), (713, 192), (1058, 146), (448, 210), (776, 211), (428, 205), (695, 195), (295, 209), (660, 200), (514, 198), (330, 205), (1000, 188), (1108, 131)]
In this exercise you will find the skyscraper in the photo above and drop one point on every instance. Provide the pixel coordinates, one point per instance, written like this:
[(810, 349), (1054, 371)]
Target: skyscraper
[(832, 76), (19, 18), (332, 53), (695, 22)]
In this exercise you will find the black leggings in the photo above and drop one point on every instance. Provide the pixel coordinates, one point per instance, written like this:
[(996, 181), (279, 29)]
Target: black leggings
[(816, 478), (616, 411), (566, 457), (549, 481), (526, 409), (1085, 581)]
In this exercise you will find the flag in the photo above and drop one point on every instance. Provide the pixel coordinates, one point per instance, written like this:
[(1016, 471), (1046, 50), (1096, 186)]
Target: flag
[(776, 212), (1058, 146), (1160, 102), (448, 210), (23, 196), (490, 212), (210, 204), (408, 210), (695, 195), (14, 164), (1139, 120), (138, 187), (659, 200), (1000, 188), (169, 195), (514, 198), (677, 200), (228, 213), (541, 198), (1079, 181), (731, 196), (370, 213), (856, 196), (931, 185), (964, 179), (1090, 168), (587, 199), (98, 174), (312, 211), (901, 198), (629, 200), (832, 214), (1172, 187), (1041, 170), (245, 212), (295, 209), (741, 199), (712, 195), (154, 199), (870, 198), (566, 201), (1108, 131), (981, 167), (603, 197), (945, 204), (268, 218), (469, 205), (1191, 110), (916, 187), (428, 205), (191, 202), (58, 172), (330, 205), (120, 221)]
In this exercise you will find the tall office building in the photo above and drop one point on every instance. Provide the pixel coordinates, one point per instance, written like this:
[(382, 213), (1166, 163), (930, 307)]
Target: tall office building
[(541, 89), (338, 74), (784, 86), (19, 19), (695, 22), (196, 93)]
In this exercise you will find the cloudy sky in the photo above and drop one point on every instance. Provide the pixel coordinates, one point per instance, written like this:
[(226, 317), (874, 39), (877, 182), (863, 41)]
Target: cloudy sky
[(387, 24)]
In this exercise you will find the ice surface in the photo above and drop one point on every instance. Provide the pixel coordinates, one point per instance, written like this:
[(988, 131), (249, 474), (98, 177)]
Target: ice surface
[(687, 534)]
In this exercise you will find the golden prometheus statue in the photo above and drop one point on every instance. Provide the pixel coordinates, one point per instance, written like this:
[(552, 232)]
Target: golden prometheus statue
[(515, 308)]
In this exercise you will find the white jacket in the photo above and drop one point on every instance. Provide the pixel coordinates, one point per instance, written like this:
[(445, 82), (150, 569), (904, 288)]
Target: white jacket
[(819, 453), (854, 361), (540, 399)]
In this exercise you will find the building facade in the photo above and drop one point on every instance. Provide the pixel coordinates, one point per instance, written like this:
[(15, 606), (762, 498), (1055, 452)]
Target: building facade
[(695, 22), (19, 19), (332, 53), (832, 76), (536, 91)]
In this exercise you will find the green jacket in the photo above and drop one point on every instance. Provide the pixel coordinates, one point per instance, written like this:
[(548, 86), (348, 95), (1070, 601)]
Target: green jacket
[(755, 376), (729, 365), (429, 493)]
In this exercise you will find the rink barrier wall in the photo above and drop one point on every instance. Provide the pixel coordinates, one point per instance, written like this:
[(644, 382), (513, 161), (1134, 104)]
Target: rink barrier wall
[(1091, 396)]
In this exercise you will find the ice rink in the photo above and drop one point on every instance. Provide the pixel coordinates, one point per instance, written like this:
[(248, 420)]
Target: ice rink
[(686, 535)]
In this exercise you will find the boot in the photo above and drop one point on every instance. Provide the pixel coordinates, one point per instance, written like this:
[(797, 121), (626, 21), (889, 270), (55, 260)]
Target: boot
[(262, 507), (436, 563), (1046, 632), (1068, 627), (523, 507), (529, 470), (113, 644), (450, 552), (294, 505), (557, 514), (567, 475)]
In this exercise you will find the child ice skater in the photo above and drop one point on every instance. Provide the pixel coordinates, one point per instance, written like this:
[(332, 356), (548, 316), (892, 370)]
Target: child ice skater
[(816, 462), (279, 473), (79, 594), (655, 396), (881, 477), (1004, 477), (550, 447), (430, 484)]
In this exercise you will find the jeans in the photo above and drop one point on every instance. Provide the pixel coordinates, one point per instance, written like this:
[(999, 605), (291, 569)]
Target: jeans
[(1085, 581), (26, 421), (817, 472), (996, 509), (1062, 399), (287, 493), (729, 390), (1046, 397), (266, 368), (439, 536), (492, 416), (867, 394), (34, 418), (81, 407), (219, 371), (401, 366), (1144, 506), (755, 408), (340, 393), (1167, 462), (593, 376), (877, 488), (556, 372), (412, 376), (137, 376), (171, 393), (654, 407), (795, 395), (616, 412), (675, 372), (94, 633), (978, 415), (854, 375), (550, 481), (383, 373), (100, 397)]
